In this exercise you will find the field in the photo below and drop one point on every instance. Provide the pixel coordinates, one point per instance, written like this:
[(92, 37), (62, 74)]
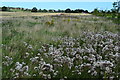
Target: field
[(59, 45), (28, 14)]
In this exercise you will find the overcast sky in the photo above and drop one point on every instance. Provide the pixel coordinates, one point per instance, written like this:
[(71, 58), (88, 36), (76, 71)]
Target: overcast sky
[(58, 0)]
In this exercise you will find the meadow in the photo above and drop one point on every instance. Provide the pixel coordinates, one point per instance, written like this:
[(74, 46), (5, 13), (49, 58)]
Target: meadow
[(29, 14), (59, 46)]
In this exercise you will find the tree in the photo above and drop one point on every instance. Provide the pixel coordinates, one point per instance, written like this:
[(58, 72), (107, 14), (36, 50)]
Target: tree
[(116, 6), (22, 9), (59, 10), (51, 10), (44, 10), (86, 11), (96, 11), (77, 11), (119, 6), (68, 10), (27, 9), (4, 8), (34, 9), (40, 10)]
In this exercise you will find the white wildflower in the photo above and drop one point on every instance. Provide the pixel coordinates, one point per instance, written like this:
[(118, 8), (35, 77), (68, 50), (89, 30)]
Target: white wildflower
[(18, 66)]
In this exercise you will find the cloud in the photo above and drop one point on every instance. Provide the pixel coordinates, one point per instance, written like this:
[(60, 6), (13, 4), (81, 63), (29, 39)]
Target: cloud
[(58, 0)]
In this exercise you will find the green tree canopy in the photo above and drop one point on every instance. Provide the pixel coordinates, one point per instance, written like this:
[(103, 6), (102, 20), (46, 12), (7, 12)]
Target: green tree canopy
[(34, 9), (4, 8), (68, 10)]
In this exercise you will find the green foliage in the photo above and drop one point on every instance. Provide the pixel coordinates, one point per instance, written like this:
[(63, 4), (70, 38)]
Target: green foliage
[(34, 9), (96, 11), (114, 14), (68, 10), (5, 8), (116, 7)]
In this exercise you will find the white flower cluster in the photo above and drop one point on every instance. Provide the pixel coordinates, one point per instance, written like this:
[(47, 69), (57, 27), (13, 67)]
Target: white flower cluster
[(92, 54), (7, 61), (21, 67)]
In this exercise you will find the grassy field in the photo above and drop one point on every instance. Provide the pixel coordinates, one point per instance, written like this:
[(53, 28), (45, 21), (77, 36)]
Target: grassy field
[(19, 14), (57, 45), (0, 52)]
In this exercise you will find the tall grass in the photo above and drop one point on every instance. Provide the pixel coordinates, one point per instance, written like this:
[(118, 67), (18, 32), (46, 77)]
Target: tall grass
[(26, 42)]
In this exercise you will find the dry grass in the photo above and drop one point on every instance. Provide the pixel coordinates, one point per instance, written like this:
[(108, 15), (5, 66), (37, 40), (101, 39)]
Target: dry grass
[(47, 27), (19, 14)]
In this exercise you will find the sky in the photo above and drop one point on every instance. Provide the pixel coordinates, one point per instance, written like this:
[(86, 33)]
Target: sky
[(58, 0), (89, 5)]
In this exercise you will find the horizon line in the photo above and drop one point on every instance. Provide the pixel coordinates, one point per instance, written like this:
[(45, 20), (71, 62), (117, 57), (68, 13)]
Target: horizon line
[(57, 1)]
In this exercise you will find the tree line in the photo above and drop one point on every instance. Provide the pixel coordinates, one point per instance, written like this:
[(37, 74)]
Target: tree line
[(34, 9), (113, 14), (115, 9)]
